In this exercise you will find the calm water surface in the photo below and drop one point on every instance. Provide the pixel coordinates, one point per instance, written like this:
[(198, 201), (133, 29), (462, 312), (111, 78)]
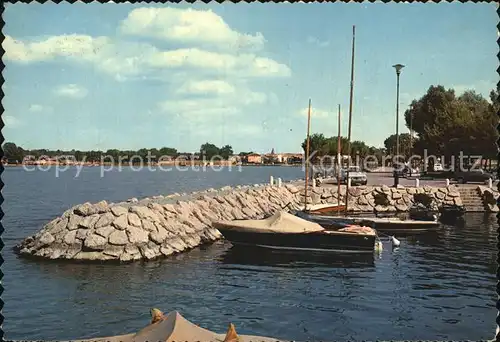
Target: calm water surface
[(438, 286)]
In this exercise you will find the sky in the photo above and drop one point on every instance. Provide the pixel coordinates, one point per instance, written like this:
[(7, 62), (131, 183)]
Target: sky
[(102, 76)]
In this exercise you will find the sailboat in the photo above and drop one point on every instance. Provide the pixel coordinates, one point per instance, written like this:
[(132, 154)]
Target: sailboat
[(286, 231), (325, 217), (321, 208), (331, 209), (313, 212)]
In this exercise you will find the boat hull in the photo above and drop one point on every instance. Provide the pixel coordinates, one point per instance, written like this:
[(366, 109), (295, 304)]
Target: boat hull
[(451, 211), (419, 214), (329, 210), (381, 225), (404, 228), (327, 222), (313, 241), (256, 256)]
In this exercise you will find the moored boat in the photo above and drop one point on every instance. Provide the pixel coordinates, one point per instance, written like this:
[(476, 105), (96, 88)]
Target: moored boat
[(255, 256), (326, 221), (384, 225), (326, 209), (451, 210), (287, 231), (397, 225), (451, 213), (173, 328), (420, 212)]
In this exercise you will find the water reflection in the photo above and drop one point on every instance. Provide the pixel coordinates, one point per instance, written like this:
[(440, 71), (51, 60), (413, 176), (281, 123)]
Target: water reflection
[(255, 256), (436, 285)]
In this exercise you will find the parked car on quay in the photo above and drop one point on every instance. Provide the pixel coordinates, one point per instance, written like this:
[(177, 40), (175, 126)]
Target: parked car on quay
[(473, 176), (405, 171), (438, 167), (356, 176)]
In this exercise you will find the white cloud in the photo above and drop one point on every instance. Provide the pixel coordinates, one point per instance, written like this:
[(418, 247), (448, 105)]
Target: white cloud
[(316, 113), (211, 111), (11, 121), (250, 97), (76, 46), (199, 31), (248, 130), (209, 108), (126, 59), (71, 90), (481, 87), (406, 98), (188, 26), (36, 108), (211, 99), (206, 87), (244, 65), (316, 41), (208, 66)]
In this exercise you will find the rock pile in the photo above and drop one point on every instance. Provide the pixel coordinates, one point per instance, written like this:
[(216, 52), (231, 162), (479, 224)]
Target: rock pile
[(148, 229), (489, 197), (164, 225), (383, 198)]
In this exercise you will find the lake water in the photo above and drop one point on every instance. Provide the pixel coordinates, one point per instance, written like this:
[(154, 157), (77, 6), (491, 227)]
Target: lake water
[(438, 286)]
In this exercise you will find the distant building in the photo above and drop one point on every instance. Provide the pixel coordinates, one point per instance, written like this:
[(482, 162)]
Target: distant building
[(165, 160), (254, 158), (234, 158), (184, 156), (271, 158), (292, 158)]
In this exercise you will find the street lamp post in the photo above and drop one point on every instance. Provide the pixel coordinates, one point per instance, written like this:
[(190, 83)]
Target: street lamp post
[(398, 68), (411, 131), (411, 136)]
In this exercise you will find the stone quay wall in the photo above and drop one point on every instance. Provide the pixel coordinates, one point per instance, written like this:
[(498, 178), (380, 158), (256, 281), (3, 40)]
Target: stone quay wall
[(164, 225)]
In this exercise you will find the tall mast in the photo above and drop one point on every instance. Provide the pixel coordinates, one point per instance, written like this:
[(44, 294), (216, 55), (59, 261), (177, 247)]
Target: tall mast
[(339, 154), (307, 154), (350, 121)]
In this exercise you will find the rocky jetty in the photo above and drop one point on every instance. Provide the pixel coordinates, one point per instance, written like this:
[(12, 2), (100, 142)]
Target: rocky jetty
[(150, 228), (164, 225), (489, 197)]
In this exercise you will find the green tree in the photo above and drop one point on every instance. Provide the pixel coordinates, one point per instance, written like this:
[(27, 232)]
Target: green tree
[(208, 151), (447, 124), (359, 148), (79, 155), (94, 156), (329, 146), (143, 153), (378, 153), (404, 144), (113, 153), (226, 152), (13, 152), (167, 151), (318, 144)]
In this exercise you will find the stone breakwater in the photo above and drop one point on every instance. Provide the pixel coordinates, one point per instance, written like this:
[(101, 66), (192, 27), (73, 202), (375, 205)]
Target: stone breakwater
[(165, 225), (489, 198)]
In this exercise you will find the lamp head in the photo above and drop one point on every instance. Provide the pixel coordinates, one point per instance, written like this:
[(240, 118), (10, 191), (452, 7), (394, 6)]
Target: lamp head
[(398, 68)]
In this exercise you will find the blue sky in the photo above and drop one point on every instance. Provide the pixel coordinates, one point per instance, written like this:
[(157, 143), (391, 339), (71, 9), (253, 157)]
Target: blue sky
[(103, 76)]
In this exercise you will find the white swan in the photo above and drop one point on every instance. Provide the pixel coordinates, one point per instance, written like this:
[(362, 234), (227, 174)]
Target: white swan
[(395, 242)]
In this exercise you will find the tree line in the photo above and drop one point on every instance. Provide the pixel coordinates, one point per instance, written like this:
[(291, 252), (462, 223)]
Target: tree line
[(14, 153), (443, 124), (447, 124), (328, 146)]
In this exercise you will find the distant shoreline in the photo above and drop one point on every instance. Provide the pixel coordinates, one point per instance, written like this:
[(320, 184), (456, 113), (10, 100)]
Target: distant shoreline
[(129, 165)]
